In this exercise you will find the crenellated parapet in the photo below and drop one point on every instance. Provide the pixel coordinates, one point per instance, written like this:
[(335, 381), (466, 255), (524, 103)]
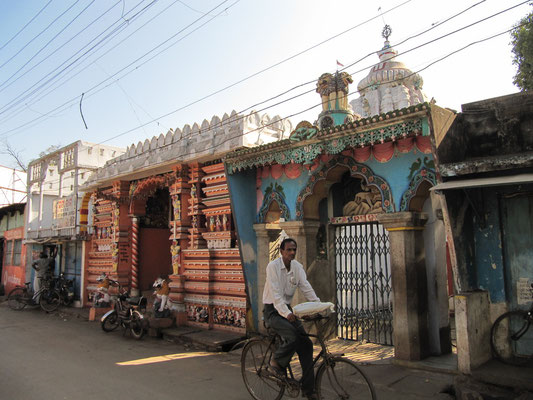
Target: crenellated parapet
[(208, 140)]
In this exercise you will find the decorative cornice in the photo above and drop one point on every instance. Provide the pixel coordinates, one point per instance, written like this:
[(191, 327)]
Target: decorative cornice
[(333, 140)]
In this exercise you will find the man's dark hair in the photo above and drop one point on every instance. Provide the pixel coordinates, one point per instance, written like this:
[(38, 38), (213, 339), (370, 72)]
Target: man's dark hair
[(43, 255), (287, 240)]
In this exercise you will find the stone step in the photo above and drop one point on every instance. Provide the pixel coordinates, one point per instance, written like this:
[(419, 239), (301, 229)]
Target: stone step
[(208, 340)]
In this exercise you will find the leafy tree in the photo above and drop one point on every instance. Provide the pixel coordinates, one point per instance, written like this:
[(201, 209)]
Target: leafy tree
[(522, 42)]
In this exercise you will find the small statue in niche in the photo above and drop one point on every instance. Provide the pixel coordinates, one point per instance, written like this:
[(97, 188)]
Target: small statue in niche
[(193, 191), (194, 221), (218, 224), (176, 205), (175, 251), (225, 222), (211, 224)]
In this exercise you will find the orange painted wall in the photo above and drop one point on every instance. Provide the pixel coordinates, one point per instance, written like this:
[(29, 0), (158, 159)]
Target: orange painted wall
[(154, 256)]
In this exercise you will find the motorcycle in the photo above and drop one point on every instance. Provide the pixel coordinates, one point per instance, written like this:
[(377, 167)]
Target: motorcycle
[(64, 287), (127, 312)]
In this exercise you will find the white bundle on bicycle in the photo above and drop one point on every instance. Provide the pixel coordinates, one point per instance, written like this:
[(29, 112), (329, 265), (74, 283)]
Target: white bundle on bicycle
[(313, 308)]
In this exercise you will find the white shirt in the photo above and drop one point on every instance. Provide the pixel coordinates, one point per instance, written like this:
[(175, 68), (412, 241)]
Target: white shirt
[(281, 284)]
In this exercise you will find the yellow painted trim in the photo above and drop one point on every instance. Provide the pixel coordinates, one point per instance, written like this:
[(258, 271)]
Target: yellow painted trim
[(406, 228)]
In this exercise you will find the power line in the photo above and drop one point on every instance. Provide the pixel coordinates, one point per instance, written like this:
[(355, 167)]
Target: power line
[(93, 62), (39, 34), (139, 58), (25, 26), (55, 51), (47, 43), (315, 105), (18, 99), (229, 86)]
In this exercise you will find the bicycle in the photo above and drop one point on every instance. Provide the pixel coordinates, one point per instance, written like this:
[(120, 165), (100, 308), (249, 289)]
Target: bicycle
[(21, 296), (337, 377), (510, 340)]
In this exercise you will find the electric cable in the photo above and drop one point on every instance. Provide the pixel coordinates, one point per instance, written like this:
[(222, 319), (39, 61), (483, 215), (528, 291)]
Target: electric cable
[(39, 34), (25, 26)]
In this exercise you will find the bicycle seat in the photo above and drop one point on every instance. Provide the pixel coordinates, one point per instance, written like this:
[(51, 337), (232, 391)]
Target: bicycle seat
[(27, 283)]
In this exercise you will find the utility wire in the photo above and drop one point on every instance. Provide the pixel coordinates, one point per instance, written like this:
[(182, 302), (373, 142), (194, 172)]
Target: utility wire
[(55, 51), (232, 120), (74, 99), (18, 99), (25, 26), (87, 66), (136, 60), (39, 34), (47, 43)]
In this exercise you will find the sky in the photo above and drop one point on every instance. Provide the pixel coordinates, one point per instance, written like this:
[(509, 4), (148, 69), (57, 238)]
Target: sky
[(121, 71)]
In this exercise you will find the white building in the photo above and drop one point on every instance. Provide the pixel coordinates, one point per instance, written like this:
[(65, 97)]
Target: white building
[(53, 218)]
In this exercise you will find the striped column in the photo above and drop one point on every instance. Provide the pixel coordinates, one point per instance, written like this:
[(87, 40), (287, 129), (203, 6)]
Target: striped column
[(134, 256)]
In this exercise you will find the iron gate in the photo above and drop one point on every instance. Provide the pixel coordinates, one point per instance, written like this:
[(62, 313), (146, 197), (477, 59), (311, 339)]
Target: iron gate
[(363, 278)]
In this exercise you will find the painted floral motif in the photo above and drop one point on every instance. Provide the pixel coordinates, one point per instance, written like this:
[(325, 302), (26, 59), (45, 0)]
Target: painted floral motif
[(307, 153)]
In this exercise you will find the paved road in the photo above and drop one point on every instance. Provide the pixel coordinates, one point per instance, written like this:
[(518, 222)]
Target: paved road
[(53, 356), (58, 356)]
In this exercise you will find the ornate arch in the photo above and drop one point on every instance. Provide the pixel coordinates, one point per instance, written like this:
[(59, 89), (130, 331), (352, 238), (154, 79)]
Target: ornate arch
[(424, 174), (141, 190), (356, 170), (84, 211), (267, 201)]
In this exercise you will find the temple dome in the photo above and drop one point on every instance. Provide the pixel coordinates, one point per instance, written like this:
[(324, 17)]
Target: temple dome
[(389, 85)]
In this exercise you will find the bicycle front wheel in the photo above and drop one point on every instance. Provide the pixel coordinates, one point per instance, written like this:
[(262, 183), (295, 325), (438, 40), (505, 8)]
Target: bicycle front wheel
[(49, 300), (255, 358), (511, 338), (340, 378), (136, 325), (17, 299)]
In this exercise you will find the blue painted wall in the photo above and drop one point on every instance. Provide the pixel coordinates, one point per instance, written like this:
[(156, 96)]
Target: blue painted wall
[(243, 198), (488, 248), (395, 172)]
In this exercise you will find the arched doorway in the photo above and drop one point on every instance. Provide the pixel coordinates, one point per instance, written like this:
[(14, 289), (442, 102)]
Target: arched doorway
[(346, 201), (154, 243)]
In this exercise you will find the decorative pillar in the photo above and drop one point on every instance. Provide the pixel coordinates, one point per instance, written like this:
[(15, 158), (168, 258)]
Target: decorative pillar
[(264, 238), (409, 284), (180, 224), (134, 256)]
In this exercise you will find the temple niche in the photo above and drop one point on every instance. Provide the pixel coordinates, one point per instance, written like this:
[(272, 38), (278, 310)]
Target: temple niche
[(389, 85), (367, 201)]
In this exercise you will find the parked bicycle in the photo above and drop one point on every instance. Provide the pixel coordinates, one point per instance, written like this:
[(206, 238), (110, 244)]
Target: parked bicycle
[(47, 297), (337, 377), (127, 312), (64, 287), (511, 339)]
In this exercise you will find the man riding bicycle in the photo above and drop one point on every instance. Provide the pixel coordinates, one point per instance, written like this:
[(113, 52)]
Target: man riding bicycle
[(284, 275)]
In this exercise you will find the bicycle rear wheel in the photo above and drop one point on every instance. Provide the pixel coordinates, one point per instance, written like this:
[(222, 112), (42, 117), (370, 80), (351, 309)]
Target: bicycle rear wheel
[(49, 300), (255, 358), (341, 378), (17, 298), (511, 338)]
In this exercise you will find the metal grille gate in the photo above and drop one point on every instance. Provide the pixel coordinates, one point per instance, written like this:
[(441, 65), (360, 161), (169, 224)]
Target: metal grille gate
[(363, 278)]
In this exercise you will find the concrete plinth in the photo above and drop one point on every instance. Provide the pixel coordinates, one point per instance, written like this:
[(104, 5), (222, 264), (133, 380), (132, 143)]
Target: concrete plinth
[(409, 284), (472, 326)]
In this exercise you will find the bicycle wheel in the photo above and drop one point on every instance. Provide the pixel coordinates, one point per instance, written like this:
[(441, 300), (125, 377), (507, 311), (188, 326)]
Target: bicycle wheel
[(136, 325), (255, 357), (17, 299), (511, 339), (49, 300), (341, 378)]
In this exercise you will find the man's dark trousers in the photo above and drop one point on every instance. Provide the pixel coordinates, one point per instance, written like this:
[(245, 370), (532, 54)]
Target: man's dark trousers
[(293, 340)]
